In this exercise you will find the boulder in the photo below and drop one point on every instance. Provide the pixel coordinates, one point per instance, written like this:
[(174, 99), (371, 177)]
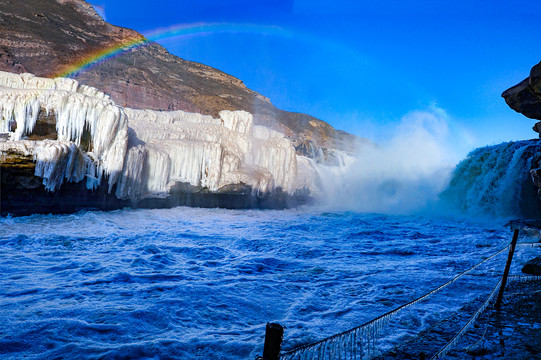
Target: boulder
[(533, 267), (525, 97)]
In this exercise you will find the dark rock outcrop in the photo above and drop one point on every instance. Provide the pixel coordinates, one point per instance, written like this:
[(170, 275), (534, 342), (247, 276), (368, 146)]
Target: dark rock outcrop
[(45, 37), (533, 267), (525, 97)]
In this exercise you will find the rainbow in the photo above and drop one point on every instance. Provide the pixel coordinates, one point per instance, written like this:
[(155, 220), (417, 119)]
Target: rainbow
[(101, 55), (98, 56)]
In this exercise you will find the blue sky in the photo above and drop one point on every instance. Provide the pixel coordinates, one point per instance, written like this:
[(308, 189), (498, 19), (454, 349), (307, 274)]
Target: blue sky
[(363, 65)]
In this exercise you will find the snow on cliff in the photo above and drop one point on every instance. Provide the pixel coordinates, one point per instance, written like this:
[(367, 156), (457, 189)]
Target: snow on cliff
[(144, 152)]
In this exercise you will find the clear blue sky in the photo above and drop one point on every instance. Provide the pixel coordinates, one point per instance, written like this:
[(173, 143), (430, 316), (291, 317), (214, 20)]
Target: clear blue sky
[(363, 65)]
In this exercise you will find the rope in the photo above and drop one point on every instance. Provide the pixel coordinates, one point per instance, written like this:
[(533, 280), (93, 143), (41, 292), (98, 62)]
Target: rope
[(459, 334), (530, 244), (385, 317), (481, 339), (450, 344), (524, 278)]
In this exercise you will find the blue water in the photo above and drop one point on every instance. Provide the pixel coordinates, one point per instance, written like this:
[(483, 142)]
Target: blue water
[(190, 283)]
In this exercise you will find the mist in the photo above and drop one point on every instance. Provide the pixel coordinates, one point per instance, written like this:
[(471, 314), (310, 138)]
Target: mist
[(401, 175)]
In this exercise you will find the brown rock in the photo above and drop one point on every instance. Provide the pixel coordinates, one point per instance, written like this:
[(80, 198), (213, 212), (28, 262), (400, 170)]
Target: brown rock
[(45, 37), (533, 267), (536, 179), (537, 128), (525, 97)]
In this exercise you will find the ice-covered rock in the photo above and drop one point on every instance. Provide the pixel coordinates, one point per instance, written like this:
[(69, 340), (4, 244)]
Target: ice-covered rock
[(56, 161), (76, 109), (145, 153), (205, 152)]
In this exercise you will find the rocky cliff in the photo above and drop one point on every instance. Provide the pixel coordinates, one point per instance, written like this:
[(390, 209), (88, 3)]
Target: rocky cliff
[(525, 97), (58, 132), (145, 128), (44, 37)]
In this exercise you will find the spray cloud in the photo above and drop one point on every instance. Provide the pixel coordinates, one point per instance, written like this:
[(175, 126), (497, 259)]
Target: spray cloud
[(403, 174)]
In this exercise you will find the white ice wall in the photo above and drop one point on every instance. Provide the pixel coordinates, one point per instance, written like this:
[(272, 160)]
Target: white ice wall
[(156, 151), (22, 97), (207, 152)]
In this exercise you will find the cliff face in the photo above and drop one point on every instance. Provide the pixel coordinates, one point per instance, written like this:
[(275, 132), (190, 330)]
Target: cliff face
[(66, 139), (525, 98), (44, 37)]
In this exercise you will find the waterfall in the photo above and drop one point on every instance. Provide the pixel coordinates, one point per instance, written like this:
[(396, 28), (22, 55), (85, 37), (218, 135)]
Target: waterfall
[(495, 181)]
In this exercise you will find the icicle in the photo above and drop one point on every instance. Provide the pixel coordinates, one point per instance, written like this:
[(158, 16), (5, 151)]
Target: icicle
[(524, 278), (529, 244), (212, 153), (470, 322), (74, 111), (55, 161), (129, 185), (351, 344)]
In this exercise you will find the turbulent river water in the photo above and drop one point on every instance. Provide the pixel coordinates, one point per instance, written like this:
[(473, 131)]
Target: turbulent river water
[(189, 283)]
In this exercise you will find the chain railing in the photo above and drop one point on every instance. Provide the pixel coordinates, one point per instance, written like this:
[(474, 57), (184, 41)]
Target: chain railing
[(361, 341)]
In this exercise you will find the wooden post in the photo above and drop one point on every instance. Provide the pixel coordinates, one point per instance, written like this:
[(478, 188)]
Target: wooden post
[(507, 267), (274, 334)]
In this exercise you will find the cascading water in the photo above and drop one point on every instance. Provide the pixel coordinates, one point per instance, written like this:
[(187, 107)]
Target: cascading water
[(495, 180)]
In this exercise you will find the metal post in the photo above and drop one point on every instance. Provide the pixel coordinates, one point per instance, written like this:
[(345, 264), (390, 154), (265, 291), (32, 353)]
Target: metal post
[(274, 334), (507, 267)]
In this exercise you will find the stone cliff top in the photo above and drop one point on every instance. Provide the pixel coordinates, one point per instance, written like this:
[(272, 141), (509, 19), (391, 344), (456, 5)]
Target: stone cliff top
[(525, 97)]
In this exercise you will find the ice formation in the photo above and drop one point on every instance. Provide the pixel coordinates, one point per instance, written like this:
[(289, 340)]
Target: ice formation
[(206, 152), (29, 81), (76, 108), (144, 152), (56, 161)]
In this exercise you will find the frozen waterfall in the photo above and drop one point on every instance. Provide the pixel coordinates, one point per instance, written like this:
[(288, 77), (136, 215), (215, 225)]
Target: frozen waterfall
[(24, 97), (143, 152)]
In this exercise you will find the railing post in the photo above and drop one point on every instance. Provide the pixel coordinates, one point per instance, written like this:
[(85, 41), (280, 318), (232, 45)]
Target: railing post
[(507, 267), (274, 333)]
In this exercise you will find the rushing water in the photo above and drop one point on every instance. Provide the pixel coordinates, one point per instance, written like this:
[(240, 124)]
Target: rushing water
[(190, 283)]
